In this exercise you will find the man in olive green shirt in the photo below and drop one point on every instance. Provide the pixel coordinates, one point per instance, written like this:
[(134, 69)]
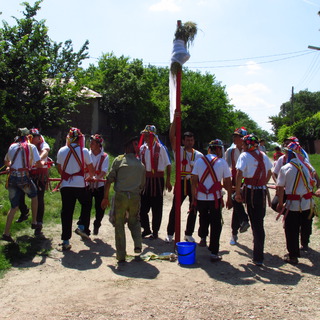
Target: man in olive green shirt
[(128, 174)]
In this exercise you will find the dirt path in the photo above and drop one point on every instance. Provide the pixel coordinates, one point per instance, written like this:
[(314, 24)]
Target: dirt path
[(85, 283)]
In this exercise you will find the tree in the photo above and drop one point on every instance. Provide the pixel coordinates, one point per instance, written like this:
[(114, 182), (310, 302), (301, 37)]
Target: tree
[(242, 119), (132, 95), (304, 104), (35, 75), (205, 107)]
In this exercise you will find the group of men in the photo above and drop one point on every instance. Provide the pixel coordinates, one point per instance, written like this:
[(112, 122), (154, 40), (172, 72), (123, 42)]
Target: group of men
[(143, 172)]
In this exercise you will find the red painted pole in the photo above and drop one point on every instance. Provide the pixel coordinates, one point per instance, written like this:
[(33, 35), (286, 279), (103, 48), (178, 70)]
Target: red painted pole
[(177, 187)]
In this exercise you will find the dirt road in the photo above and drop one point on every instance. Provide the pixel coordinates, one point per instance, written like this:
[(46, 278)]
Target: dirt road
[(86, 284)]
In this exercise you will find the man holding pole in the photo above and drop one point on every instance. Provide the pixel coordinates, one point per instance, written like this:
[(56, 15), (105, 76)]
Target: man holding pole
[(188, 157)]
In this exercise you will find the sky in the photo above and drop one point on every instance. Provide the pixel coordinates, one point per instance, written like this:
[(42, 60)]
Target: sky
[(257, 49)]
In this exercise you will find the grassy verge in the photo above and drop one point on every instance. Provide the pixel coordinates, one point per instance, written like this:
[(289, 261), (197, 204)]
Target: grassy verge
[(26, 246)]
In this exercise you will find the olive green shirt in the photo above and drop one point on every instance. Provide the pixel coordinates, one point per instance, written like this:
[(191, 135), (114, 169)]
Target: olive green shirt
[(128, 174)]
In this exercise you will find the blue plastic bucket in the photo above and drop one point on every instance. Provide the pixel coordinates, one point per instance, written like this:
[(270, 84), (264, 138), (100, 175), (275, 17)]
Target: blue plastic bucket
[(186, 252)]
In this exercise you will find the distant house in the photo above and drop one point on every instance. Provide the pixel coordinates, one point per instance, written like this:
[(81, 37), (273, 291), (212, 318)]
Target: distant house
[(89, 118)]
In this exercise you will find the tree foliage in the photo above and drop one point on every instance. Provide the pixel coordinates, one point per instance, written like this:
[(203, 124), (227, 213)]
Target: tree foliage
[(35, 75), (242, 119), (303, 105)]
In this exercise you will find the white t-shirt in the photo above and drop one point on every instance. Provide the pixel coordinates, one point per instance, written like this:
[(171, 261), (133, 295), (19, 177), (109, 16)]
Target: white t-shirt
[(104, 167), (163, 162), (286, 179), (248, 164), (44, 145), (282, 161), (18, 164), (190, 157), (73, 166), (221, 170), (228, 154)]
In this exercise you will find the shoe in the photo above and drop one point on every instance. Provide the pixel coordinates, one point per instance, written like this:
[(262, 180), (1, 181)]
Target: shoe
[(258, 263), (36, 226), (145, 233), (65, 246), (203, 242), (233, 240), (95, 231), (168, 239), (215, 257), (38, 231), (153, 236), (23, 217), (304, 248), (189, 238), (8, 238), (137, 250), (82, 234), (290, 260), (244, 226)]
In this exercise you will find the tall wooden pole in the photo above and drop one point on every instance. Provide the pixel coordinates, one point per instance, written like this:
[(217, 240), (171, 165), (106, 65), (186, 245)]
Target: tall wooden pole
[(177, 187)]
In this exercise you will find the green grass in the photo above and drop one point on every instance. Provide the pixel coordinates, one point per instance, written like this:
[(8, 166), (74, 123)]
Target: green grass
[(26, 246), (315, 161)]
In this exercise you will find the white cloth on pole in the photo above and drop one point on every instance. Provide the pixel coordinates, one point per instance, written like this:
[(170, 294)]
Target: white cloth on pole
[(180, 55)]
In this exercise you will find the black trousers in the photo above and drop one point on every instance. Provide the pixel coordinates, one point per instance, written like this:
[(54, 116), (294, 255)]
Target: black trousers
[(239, 215), (192, 214), (210, 216), (297, 222), (257, 211), (97, 195), (152, 199), (69, 196)]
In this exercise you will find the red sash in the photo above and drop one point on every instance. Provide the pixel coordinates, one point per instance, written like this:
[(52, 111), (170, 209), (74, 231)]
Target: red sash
[(259, 178), (216, 186)]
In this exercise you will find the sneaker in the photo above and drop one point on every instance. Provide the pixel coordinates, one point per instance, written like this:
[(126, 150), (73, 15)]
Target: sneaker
[(203, 242), (82, 234), (168, 238), (233, 240), (8, 238), (290, 260), (95, 231), (244, 226), (258, 263), (145, 233), (189, 238), (137, 250), (215, 257), (23, 217)]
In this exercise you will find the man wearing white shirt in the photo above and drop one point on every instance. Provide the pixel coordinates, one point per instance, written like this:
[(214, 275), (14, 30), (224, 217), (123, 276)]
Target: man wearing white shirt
[(156, 160), (72, 161), (100, 161), (295, 180), (239, 220), (188, 156), (20, 158), (255, 167), (207, 174)]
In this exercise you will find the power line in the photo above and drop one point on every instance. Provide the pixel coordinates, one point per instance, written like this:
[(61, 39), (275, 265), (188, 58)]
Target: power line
[(310, 73), (244, 65), (257, 57)]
